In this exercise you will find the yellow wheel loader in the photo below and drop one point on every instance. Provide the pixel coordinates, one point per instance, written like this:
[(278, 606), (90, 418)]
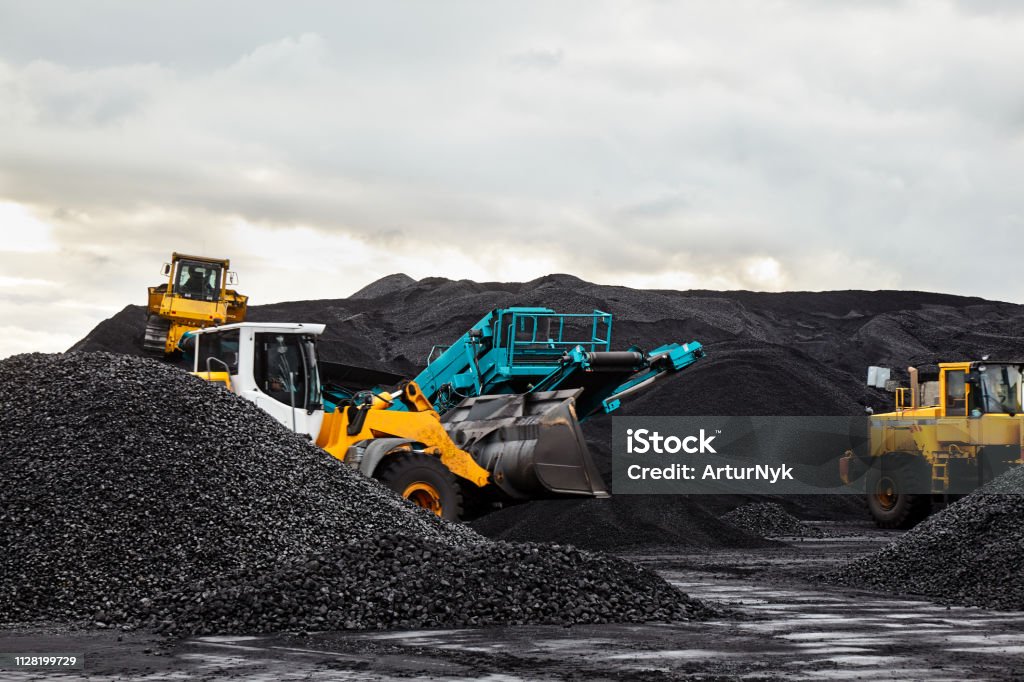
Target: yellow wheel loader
[(195, 296), (956, 427), (486, 450)]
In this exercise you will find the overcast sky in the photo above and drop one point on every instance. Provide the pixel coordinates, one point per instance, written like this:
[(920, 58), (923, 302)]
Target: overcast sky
[(320, 145)]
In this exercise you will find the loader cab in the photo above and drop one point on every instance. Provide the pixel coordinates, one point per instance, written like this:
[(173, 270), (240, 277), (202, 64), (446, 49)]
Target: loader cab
[(976, 389), (273, 365), (992, 388)]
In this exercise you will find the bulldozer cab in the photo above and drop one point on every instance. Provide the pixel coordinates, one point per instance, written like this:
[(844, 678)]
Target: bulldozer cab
[(198, 279)]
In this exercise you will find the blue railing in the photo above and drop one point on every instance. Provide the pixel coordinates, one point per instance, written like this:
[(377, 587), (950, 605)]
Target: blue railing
[(536, 338)]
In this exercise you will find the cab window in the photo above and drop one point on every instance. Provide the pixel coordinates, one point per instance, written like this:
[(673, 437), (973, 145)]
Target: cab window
[(280, 368), (1000, 386), (956, 393), (218, 350), (196, 280)]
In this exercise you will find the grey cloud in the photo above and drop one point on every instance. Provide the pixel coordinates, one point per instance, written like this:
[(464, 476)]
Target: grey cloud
[(535, 59), (624, 141)]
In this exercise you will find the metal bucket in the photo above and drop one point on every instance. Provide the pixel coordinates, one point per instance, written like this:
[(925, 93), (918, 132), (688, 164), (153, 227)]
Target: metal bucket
[(530, 443)]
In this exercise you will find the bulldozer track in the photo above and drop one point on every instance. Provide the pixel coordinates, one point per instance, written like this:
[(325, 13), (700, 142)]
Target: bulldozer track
[(155, 339)]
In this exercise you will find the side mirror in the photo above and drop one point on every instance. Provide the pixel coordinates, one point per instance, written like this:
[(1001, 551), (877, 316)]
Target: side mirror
[(232, 278), (166, 270)]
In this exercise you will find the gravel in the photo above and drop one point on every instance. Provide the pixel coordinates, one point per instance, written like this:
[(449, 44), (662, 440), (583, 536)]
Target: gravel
[(968, 554), (769, 520), (396, 581), (135, 494)]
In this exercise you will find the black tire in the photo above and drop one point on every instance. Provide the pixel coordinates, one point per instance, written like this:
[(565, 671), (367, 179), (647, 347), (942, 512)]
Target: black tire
[(429, 479), (889, 503)]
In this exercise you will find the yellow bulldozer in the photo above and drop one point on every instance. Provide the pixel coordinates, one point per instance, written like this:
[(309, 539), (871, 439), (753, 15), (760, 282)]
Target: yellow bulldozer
[(956, 427), (195, 296)]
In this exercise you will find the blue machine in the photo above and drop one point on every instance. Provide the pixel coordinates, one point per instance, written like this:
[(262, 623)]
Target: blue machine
[(532, 350)]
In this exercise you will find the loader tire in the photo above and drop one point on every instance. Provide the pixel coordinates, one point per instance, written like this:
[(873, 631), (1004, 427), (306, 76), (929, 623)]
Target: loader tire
[(424, 481), (890, 504)]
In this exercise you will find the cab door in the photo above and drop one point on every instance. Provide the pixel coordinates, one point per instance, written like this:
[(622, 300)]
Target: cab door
[(285, 382), (951, 427)]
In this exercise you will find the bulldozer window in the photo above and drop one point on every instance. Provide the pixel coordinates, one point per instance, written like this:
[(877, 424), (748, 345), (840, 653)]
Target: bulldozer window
[(281, 368), (956, 393), (217, 348), (198, 280)]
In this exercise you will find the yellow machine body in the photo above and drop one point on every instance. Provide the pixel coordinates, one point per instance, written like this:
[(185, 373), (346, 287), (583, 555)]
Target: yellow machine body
[(215, 377), (945, 437), (173, 311), (344, 428), (948, 430)]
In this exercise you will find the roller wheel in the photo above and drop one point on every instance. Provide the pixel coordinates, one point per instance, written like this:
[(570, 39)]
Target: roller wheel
[(424, 481), (890, 504)]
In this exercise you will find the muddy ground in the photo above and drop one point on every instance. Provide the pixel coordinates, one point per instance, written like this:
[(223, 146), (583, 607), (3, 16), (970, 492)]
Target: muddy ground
[(784, 625)]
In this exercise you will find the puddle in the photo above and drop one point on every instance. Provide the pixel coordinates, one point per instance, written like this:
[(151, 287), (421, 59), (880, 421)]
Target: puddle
[(683, 654)]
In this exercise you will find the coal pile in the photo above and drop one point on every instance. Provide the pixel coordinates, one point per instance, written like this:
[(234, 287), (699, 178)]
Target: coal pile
[(968, 554), (769, 520), (132, 489), (790, 353), (815, 346), (405, 582), (617, 523)]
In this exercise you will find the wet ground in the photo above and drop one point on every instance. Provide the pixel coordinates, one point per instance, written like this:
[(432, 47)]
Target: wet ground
[(785, 625)]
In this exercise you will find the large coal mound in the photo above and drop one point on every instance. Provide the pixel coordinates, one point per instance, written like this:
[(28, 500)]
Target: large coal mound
[(968, 554), (137, 494)]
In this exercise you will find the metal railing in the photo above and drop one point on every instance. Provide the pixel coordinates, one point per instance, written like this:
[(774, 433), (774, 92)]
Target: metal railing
[(542, 338)]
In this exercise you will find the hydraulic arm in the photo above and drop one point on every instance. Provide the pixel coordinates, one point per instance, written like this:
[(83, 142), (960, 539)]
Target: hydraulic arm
[(530, 350)]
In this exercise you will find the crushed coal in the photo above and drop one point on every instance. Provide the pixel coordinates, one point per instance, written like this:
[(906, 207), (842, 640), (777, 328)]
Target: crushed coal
[(769, 520), (135, 494), (967, 554), (617, 523), (405, 582)]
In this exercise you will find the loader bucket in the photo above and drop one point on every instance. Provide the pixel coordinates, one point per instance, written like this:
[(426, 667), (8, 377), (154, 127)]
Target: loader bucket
[(530, 443)]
